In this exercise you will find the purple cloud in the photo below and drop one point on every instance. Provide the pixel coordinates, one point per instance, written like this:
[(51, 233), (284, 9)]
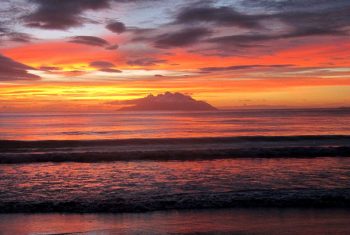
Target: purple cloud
[(11, 70)]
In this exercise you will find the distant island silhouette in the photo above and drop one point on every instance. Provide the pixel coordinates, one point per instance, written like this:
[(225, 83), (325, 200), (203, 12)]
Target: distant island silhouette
[(168, 102)]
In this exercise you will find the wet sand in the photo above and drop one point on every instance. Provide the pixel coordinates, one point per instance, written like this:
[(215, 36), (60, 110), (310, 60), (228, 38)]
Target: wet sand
[(225, 221)]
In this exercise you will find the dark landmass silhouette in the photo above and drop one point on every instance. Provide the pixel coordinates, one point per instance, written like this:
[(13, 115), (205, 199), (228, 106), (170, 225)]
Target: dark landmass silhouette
[(168, 102)]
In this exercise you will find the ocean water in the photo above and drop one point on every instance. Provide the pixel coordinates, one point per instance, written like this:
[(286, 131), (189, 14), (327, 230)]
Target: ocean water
[(92, 126), (138, 162), (139, 186)]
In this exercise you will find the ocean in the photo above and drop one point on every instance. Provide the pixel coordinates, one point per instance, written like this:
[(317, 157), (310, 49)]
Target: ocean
[(149, 162), (145, 125)]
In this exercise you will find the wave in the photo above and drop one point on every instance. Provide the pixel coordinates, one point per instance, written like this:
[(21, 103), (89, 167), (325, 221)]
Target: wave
[(164, 155), (316, 198), (174, 149)]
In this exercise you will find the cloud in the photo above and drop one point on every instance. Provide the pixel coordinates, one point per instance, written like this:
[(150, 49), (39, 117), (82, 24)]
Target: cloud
[(89, 40), (20, 37), (253, 39), (61, 14), (101, 64), (2, 29), (93, 41), (209, 29), (11, 70), (146, 62), (104, 66), (184, 37), (108, 70), (331, 20), (49, 68), (116, 27), (65, 14), (13, 36), (273, 20), (219, 15), (244, 67), (296, 5), (112, 47), (10, 16), (278, 70)]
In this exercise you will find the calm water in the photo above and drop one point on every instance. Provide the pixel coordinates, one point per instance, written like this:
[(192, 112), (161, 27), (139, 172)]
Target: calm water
[(160, 125)]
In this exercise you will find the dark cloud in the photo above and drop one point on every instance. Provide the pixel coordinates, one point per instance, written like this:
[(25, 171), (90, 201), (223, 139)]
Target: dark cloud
[(2, 29), (93, 41), (276, 20), (184, 37), (218, 15), (101, 64), (296, 5), (314, 31), (89, 40), (104, 66), (108, 70), (10, 14), (206, 26), (61, 14), (11, 70), (241, 39), (20, 37), (331, 20), (244, 67), (253, 39), (113, 47), (145, 62), (116, 27), (7, 34), (64, 14), (212, 30)]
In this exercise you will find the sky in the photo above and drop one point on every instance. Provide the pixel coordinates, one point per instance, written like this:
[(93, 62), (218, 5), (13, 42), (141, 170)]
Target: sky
[(93, 55)]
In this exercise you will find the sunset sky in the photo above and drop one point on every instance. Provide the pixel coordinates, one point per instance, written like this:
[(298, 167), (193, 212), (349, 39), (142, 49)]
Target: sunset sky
[(86, 55)]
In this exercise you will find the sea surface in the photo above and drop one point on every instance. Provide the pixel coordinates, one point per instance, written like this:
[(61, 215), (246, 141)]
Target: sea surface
[(140, 186), (141, 162), (129, 125)]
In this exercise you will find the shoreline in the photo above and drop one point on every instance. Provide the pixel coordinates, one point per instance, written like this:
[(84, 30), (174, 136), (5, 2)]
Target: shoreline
[(255, 221)]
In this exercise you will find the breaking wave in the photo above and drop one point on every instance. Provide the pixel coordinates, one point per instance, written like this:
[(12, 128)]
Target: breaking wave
[(250, 198)]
